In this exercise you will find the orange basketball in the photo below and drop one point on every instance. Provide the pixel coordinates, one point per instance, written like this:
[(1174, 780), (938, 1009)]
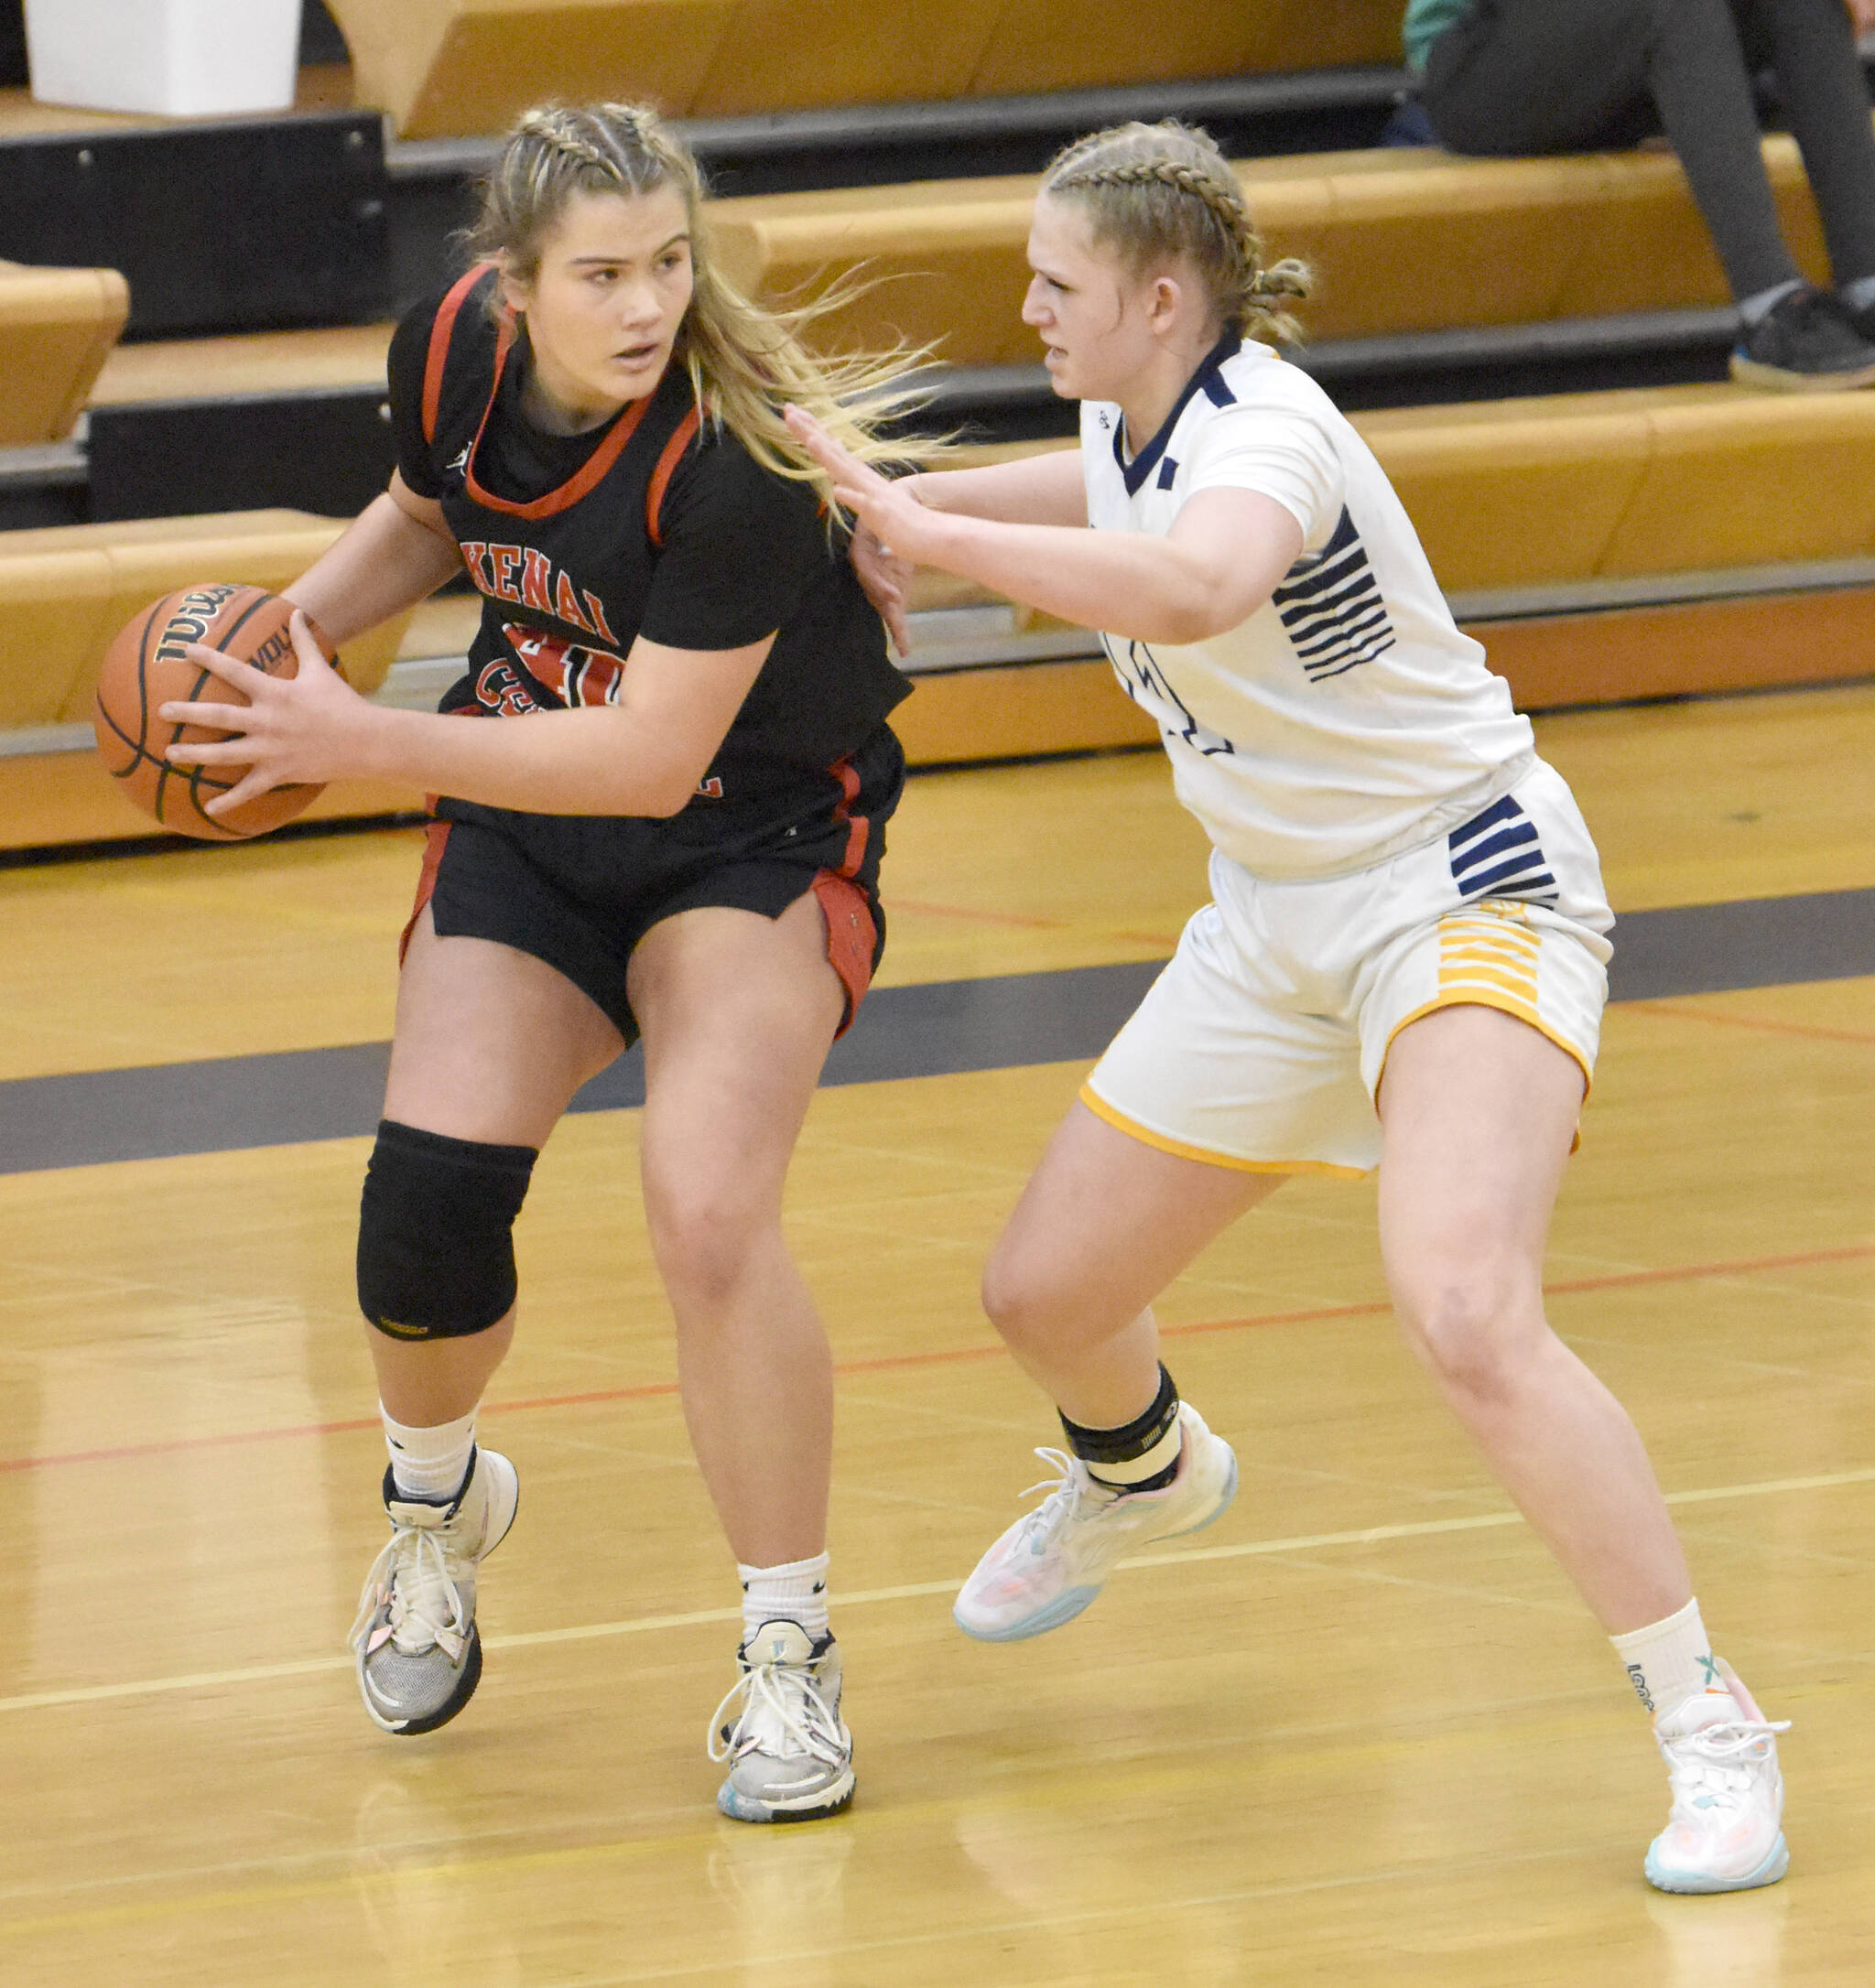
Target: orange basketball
[(144, 668)]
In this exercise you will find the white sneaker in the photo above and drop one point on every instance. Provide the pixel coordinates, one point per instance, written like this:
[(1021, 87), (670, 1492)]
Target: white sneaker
[(790, 1759), (1725, 1832), (419, 1651), (1050, 1564)]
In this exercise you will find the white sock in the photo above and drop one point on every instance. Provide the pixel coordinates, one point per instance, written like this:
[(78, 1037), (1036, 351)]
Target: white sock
[(1860, 295), (795, 1591), (1754, 310), (430, 1462), (1670, 1661)]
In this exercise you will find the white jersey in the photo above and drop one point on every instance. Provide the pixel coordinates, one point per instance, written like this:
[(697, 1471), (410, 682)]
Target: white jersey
[(1348, 719)]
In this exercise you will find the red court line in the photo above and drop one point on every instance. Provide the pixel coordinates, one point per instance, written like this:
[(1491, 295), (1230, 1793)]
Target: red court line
[(1761, 1022), (945, 1357)]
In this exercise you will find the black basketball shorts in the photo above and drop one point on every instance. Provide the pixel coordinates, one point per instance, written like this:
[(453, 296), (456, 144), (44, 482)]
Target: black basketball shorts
[(580, 891)]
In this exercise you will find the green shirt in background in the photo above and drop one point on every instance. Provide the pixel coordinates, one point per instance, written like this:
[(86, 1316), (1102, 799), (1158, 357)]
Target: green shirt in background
[(1426, 20)]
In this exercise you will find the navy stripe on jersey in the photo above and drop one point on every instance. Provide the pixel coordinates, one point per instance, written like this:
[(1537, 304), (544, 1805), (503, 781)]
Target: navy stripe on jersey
[(1331, 606), (1205, 381), (1167, 470), (1498, 854)]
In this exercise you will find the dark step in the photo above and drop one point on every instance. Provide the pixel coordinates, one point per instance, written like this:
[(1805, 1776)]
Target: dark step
[(241, 225)]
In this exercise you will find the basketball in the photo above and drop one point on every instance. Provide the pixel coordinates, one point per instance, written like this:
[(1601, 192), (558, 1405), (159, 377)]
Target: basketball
[(145, 667)]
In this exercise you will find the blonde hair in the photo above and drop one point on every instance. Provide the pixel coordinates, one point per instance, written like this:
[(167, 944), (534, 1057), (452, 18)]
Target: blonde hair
[(1155, 191), (745, 361)]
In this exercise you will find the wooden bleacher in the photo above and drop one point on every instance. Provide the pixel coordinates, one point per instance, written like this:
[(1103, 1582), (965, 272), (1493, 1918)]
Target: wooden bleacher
[(1400, 240), (1570, 493), (1605, 545), (57, 329), (457, 68), (1605, 548), (65, 592)]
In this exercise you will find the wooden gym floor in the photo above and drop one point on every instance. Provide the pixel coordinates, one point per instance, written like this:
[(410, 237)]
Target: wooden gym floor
[(1359, 1732)]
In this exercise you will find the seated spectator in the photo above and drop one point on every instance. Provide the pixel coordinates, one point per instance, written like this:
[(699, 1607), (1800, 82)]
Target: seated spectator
[(1522, 77)]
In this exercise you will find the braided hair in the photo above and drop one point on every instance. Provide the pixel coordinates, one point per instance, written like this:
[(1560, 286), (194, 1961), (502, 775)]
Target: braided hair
[(746, 361), (1157, 192)]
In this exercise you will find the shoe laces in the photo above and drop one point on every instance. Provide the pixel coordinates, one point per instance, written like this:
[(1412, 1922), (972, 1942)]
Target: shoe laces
[(1717, 1766), (775, 1709), (1069, 1490), (416, 1575)]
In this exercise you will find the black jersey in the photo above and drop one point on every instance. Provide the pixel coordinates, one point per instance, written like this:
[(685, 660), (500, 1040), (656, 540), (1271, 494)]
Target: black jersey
[(655, 525)]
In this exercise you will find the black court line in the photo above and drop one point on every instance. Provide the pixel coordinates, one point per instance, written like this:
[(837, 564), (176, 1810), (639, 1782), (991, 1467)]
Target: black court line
[(939, 1029)]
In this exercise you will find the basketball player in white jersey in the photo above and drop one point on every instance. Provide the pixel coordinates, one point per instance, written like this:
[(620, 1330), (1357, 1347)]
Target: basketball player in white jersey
[(1403, 966)]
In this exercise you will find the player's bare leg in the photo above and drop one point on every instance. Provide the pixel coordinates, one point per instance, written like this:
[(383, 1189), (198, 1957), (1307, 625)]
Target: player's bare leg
[(738, 1012), (1478, 1111), (491, 1044), (1104, 1224)]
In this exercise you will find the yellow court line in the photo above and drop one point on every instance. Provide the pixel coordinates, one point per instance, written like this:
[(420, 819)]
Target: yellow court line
[(94, 1694)]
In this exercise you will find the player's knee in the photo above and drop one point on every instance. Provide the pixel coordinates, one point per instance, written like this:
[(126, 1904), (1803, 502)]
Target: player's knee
[(706, 1232), (1017, 1299), (436, 1233), (1473, 1329)]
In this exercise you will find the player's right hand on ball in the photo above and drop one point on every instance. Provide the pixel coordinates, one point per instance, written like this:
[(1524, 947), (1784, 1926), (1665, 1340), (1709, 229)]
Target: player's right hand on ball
[(301, 729)]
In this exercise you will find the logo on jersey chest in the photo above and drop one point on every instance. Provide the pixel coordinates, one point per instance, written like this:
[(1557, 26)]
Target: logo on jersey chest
[(530, 580), (1143, 680), (576, 675)]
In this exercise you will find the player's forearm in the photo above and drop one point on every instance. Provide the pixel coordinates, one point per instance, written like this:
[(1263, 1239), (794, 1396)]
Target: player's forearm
[(597, 762), (1141, 588), (1031, 490), (382, 564)]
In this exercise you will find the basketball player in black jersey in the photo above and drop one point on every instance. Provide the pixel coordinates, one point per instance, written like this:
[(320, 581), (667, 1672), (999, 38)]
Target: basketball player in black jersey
[(680, 842)]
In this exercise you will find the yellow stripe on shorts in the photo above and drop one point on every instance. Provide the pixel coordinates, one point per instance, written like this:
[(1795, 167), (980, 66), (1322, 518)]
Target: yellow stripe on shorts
[(1492, 955)]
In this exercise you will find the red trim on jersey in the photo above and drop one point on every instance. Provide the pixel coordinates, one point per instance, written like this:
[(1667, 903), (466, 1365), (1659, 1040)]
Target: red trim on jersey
[(434, 844), (859, 826), (660, 477), (853, 937), (569, 494), (440, 333)]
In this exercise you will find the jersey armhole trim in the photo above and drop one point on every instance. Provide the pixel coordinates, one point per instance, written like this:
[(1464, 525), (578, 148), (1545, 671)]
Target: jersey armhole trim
[(667, 462), (440, 332)]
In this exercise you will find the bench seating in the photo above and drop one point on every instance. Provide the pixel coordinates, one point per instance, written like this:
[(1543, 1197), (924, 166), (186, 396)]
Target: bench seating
[(56, 329), (1400, 240), (459, 67)]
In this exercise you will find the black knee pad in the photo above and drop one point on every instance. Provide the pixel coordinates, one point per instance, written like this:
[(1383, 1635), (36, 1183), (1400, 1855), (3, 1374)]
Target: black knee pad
[(436, 1233)]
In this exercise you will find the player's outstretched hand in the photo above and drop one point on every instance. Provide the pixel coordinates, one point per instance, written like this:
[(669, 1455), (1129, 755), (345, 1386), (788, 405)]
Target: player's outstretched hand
[(889, 511), (305, 728), (886, 577)]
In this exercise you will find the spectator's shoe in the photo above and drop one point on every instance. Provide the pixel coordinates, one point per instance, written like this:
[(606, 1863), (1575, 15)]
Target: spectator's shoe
[(1807, 343), (418, 1648), (790, 1759), (1725, 1832), (1050, 1564)]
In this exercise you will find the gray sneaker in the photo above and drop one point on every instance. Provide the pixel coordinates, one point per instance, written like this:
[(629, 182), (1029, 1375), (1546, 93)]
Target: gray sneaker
[(419, 1651), (1806, 342), (790, 1759)]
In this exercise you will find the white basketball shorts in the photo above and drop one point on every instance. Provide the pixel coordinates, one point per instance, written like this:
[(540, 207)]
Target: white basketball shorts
[(1263, 1044)]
